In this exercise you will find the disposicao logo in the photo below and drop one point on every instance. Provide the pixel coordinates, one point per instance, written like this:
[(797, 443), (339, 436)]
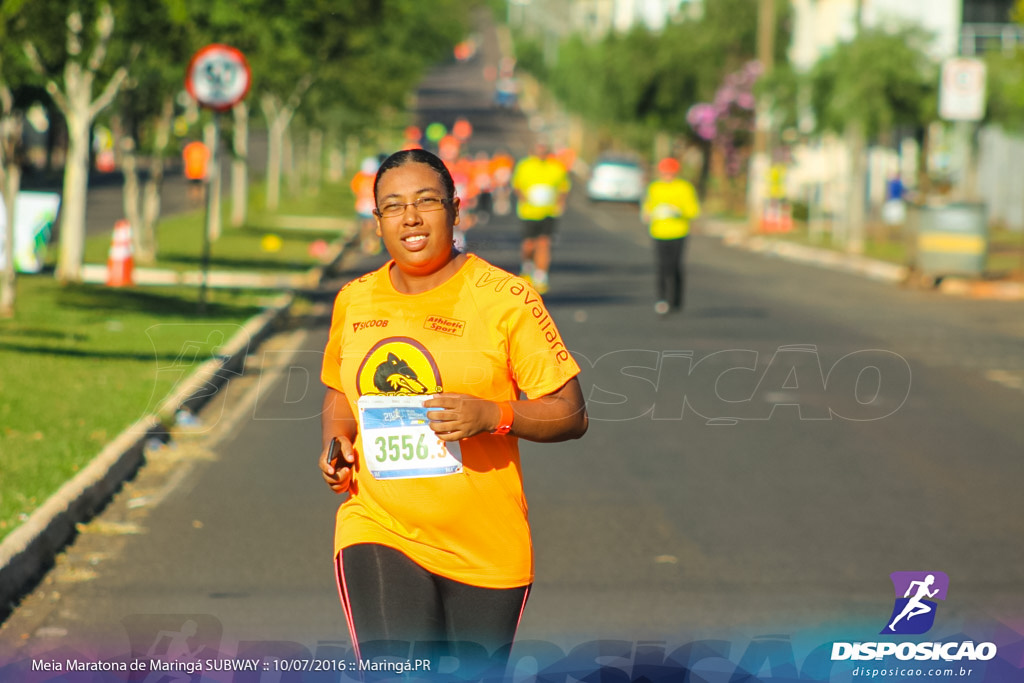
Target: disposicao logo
[(916, 592), (913, 614)]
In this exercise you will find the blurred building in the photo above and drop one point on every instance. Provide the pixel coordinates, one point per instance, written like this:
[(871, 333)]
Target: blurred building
[(986, 25), (819, 25), (597, 18), (959, 28)]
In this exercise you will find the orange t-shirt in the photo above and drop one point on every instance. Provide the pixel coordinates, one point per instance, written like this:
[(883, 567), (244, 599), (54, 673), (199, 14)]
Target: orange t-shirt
[(483, 332)]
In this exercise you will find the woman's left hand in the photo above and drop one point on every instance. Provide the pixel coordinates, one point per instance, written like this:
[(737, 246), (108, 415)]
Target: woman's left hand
[(460, 416)]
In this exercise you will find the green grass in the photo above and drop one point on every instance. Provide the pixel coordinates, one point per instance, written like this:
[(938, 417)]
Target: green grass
[(180, 237), (333, 199), (80, 363)]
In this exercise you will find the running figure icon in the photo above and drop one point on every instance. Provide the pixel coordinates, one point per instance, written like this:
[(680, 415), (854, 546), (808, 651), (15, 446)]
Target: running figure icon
[(915, 606), (917, 595)]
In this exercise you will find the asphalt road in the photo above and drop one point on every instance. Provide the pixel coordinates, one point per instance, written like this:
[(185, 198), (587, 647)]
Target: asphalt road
[(757, 466)]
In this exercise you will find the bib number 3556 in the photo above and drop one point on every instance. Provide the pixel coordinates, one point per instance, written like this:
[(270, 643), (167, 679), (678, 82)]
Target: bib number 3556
[(400, 447), (398, 442)]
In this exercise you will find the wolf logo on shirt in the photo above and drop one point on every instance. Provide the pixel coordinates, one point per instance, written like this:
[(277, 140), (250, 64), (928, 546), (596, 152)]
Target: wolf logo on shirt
[(398, 365), (395, 376)]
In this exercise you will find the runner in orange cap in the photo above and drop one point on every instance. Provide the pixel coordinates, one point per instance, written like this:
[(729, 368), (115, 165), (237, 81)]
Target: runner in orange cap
[(502, 164), (668, 207)]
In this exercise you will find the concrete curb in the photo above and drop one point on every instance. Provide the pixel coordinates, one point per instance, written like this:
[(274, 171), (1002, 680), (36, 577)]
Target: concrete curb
[(28, 551), (983, 289), (1003, 290), (97, 274), (875, 270)]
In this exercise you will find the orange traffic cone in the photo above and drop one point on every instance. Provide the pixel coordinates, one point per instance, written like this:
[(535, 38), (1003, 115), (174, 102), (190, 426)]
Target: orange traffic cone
[(120, 261), (786, 219), (769, 218)]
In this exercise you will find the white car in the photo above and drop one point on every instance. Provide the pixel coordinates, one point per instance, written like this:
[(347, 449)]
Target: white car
[(616, 179)]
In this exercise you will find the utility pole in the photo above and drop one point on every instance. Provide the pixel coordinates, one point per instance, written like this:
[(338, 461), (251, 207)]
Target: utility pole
[(760, 159), (856, 145)]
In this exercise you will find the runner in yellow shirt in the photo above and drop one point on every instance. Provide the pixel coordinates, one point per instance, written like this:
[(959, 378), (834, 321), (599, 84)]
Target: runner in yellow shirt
[(541, 184), (669, 205), (433, 542)]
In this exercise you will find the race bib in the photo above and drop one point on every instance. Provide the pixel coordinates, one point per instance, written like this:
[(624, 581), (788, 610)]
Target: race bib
[(398, 442), (665, 211), (542, 195)]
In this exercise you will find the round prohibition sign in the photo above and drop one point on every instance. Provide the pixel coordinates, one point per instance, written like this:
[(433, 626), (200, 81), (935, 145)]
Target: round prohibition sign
[(218, 77), (965, 77)]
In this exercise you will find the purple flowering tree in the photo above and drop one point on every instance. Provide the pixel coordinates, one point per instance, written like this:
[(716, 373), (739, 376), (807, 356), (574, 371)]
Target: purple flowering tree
[(727, 123), (725, 126)]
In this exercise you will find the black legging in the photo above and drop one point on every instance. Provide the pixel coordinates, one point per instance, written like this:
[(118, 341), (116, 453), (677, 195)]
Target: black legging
[(670, 276), (387, 598)]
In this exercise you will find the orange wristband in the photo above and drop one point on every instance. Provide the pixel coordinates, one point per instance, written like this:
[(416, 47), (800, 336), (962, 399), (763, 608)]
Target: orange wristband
[(505, 421)]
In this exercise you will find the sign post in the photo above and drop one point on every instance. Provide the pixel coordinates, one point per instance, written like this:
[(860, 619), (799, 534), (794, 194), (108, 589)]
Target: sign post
[(962, 101), (962, 90), (218, 77)]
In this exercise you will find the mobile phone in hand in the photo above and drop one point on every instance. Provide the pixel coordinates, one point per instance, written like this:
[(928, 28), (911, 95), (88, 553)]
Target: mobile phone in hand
[(334, 452)]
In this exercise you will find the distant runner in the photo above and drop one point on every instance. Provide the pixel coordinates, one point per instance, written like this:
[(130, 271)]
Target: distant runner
[(541, 185), (669, 205)]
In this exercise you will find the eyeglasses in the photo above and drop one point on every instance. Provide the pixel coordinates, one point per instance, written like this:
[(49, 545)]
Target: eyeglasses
[(422, 205)]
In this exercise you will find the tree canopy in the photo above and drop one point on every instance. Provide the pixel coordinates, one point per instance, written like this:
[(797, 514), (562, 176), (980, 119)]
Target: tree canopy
[(334, 60), (881, 78), (652, 79)]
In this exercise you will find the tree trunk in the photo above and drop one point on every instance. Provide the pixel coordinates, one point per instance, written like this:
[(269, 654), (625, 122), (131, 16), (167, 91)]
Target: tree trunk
[(131, 199), (75, 101), (288, 163), (315, 160), (76, 185), (151, 200), (924, 180), (705, 170), (11, 180), (151, 208), (278, 117), (855, 215), (275, 145), (335, 160), (240, 166)]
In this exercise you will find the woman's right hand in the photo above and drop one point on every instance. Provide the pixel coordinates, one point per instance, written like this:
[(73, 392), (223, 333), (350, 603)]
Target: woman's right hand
[(338, 474)]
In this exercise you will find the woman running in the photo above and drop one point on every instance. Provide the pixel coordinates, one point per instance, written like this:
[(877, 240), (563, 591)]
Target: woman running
[(436, 365)]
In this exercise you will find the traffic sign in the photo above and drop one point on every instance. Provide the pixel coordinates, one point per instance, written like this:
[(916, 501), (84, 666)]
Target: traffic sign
[(962, 89), (218, 77)]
